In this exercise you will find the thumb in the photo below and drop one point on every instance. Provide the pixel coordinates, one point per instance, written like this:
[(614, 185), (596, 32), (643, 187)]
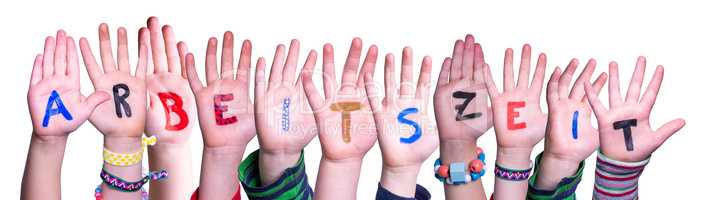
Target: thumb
[(94, 100), (668, 129)]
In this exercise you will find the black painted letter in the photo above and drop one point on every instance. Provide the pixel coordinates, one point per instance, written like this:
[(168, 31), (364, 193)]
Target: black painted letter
[(468, 96), (625, 125), (120, 101)]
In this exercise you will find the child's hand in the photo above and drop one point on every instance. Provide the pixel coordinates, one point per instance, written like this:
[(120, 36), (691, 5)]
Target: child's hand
[(55, 103), (570, 135), (460, 101), (407, 137), (345, 122), (170, 99), (124, 115), (224, 108), (518, 118), (624, 129)]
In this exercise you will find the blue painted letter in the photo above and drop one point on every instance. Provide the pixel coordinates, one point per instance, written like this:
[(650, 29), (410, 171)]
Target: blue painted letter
[(60, 108), (417, 129), (574, 124)]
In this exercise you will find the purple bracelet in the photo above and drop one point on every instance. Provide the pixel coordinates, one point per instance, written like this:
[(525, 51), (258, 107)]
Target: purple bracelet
[(512, 174), (117, 183)]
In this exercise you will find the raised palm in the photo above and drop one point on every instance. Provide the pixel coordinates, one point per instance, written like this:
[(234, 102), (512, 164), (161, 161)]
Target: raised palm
[(224, 108), (526, 126), (281, 117), (126, 117), (55, 88), (358, 135), (632, 114), (406, 135), (460, 101)]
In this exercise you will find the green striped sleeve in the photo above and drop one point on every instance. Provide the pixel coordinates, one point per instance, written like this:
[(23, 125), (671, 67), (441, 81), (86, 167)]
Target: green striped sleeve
[(292, 184), (565, 189)]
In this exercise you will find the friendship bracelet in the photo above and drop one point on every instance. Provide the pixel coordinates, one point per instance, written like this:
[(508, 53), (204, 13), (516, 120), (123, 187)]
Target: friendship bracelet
[(457, 173), (512, 174), (119, 184), (98, 193), (128, 159)]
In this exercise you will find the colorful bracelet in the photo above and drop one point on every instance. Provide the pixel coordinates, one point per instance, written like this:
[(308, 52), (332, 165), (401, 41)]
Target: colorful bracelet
[(457, 173), (128, 159), (512, 174), (119, 184), (98, 193)]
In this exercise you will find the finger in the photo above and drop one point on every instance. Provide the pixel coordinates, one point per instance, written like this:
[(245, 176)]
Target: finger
[(259, 86), (142, 64), (210, 65), (653, 88), (328, 71), (49, 50), (525, 67), (614, 89), (95, 99), (308, 67), (243, 73), (456, 60), (390, 83), (227, 56), (310, 91), (598, 84), (491, 87), (73, 65), (406, 88), (508, 70), (182, 53), (566, 79), (368, 65), (94, 71), (552, 93), (424, 83), (372, 94), (276, 72), (192, 76), (288, 72), (36, 70), (636, 82), (539, 75), (106, 56), (577, 91), (444, 75), (478, 74), (157, 47), (350, 68), (171, 50), (668, 129), (122, 50), (468, 57), (596, 105), (60, 55)]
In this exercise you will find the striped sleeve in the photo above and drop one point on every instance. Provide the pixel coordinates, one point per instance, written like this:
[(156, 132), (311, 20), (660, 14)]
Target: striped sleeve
[(292, 184), (617, 179), (565, 189)]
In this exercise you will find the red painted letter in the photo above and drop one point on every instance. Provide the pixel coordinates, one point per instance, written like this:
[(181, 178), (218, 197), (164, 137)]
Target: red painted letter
[(511, 115), (220, 108), (176, 107)]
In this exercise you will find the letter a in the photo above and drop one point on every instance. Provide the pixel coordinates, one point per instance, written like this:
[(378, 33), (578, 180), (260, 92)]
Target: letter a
[(60, 109)]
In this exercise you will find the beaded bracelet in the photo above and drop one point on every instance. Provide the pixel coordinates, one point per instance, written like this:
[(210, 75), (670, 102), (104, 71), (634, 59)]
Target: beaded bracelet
[(98, 193), (119, 159), (457, 173), (512, 174), (119, 184)]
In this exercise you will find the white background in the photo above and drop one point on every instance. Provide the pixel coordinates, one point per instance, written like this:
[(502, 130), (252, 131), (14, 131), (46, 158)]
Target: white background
[(666, 32)]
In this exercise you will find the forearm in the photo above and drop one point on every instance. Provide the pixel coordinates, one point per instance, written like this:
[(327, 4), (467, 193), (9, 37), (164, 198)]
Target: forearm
[(400, 181), (219, 176), (273, 164), (176, 160), (122, 145), (42, 172), (328, 185), (512, 158), (461, 151)]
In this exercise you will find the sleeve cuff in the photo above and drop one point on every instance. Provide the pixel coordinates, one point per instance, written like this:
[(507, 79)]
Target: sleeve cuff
[(384, 194), (617, 179), (564, 190), (292, 184)]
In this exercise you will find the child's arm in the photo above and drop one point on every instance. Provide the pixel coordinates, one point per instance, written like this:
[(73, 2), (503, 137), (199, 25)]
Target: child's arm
[(170, 114), (519, 123), (121, 120), (406, 136), (570, 137), (627, 140), (344, 120), (462, 113), (57, 108), (226, 116)]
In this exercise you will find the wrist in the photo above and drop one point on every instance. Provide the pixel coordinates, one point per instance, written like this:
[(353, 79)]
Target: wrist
[(49, 139), (457, 150), (552, 169), (514, 158), (400, 180), (272, 164), (122, 144)]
